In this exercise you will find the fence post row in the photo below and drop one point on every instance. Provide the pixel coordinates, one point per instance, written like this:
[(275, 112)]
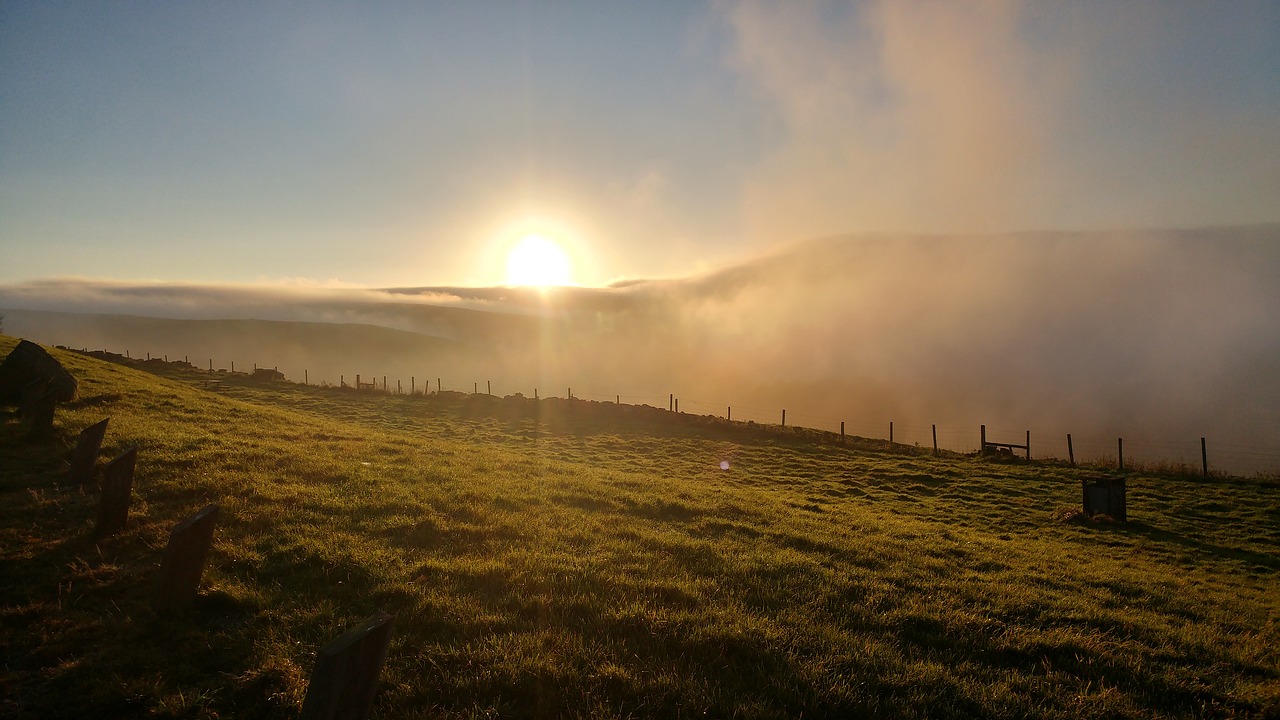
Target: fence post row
[(79, 475)]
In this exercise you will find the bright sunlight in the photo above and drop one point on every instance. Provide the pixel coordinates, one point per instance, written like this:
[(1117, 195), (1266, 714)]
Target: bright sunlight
[(538, 261)]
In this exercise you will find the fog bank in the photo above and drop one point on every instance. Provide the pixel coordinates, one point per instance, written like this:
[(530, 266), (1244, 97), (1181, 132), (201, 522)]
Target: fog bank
[(1157, 336)]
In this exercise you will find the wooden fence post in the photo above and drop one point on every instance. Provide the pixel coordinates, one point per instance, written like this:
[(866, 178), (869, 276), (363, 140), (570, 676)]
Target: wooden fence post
[(982, 447), (1028, 444), (841, 431), (1120, 450), (1204, 457), (488, 387), (784, 417), (306, 377), (85, 456), (384, 384), (671, 402), (439, 386), (1071, 452), (677, 405), (117, 484), (184, 559), (935, 440), (345, 677), (412, 385), (890, 433)]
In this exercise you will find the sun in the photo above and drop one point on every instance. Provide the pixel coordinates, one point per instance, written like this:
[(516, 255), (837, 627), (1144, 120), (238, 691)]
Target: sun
[(539, 262)]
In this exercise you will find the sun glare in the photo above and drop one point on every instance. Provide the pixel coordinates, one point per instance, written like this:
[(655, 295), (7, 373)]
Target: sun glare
[(539, 262)]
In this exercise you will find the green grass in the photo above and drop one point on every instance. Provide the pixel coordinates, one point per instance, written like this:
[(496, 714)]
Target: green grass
[(571, 560)]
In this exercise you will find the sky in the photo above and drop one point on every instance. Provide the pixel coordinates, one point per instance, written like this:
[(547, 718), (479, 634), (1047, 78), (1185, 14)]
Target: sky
[(414, 144)]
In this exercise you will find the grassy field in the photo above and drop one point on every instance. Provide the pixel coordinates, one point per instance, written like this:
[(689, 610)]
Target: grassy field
[(571, 559)]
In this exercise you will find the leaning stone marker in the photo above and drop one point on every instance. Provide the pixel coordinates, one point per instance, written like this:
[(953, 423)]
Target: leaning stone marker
[(346, 673), (29, 363), (117, 484), (40, 409), (85, 456), (1105, 496), (184, 559)]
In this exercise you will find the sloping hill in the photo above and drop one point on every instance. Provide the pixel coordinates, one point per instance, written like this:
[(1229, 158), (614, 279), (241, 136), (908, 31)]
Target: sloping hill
[(564, 559)]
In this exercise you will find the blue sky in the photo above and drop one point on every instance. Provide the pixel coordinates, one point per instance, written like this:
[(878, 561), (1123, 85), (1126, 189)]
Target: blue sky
[(414, 144)]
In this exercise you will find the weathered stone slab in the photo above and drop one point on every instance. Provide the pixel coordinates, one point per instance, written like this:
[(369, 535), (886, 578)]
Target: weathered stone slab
[(39, 409), (117, 486), (28, 363), (345, 678), (85, 457), (184, 559)]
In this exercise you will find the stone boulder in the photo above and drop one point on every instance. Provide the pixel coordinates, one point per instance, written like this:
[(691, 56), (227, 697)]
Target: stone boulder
[(30, 370)]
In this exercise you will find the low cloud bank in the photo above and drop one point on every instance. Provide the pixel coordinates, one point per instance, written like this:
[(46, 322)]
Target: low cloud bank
[(1157, 336)]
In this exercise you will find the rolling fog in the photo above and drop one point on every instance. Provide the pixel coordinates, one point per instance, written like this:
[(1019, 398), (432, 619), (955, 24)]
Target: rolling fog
[(1157, 336)]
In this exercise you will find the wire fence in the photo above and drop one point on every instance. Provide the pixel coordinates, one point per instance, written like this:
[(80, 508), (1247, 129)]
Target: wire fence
[(1188, 454)]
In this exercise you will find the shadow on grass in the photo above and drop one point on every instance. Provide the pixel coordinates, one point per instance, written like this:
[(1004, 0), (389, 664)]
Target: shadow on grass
[(1140, 529)]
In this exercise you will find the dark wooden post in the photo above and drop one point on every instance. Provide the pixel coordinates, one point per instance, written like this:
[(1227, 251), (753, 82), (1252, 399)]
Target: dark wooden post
[(535, 393), (439, 386), (1204, 457), (617, 399), (1120, 450), (1071, 452), (1028, 444), (413, 383), (210, 364), (784, 417), (384, 384), (671, 402), (890, 433), (982, 447), (184, 559), (475, 388), (841, 431), (85, 456), (357, 381), (935, 440), (399, 390), (233, 366), (677, 405), (117, 484), (306, 377), (488, 387), (345, 677)]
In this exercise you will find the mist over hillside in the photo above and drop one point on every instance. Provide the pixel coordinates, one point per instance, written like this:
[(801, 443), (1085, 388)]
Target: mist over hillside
[(1157, 336)]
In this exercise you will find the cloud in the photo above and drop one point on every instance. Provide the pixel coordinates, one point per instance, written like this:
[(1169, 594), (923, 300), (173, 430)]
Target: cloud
[(913, 116)]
